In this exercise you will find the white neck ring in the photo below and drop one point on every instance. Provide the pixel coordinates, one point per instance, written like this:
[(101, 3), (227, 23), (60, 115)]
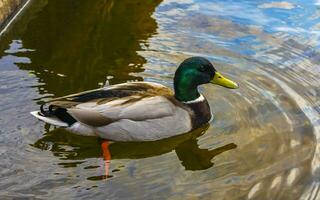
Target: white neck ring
[(199, 99)]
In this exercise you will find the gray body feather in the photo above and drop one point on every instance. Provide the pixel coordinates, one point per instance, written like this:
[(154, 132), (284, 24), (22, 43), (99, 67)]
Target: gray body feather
[(138, 111)]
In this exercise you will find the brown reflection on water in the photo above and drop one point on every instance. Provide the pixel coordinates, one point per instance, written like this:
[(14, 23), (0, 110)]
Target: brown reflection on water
[(68, 146), (80, 44)]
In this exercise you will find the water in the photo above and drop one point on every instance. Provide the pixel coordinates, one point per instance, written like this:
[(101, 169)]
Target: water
[(263, 143)]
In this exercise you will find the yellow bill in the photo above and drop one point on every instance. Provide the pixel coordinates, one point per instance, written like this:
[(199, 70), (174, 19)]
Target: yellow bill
[(218, 79)]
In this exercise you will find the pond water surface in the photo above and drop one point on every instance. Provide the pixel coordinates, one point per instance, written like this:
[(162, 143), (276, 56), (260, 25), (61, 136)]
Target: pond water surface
[(262, 144)]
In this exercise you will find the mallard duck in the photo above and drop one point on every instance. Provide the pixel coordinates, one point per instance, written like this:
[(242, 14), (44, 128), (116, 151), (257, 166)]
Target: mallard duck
[(139, 111)]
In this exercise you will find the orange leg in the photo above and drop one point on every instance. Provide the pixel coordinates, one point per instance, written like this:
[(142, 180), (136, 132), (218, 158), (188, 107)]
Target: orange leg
[(106, 156)]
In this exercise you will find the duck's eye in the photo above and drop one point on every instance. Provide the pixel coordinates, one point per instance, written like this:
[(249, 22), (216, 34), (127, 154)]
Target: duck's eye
[(202, 68)]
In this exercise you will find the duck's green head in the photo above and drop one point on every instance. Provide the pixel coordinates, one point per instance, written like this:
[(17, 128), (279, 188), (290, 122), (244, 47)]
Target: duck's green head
[(196, 71)]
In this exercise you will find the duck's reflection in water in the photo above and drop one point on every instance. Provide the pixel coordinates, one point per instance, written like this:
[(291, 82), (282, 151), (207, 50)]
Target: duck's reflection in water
[(68, 146)]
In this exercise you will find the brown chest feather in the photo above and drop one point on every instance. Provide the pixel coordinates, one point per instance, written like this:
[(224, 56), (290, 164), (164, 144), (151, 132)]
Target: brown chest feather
[(201, 113)]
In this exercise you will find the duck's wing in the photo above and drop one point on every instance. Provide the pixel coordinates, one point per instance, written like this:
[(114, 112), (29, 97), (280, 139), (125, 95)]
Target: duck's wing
[(137, 108), (135, 101), (113, 92)]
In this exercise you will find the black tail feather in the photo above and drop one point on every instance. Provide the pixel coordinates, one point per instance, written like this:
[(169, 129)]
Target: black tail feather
[(60, 113), (46, 113)]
